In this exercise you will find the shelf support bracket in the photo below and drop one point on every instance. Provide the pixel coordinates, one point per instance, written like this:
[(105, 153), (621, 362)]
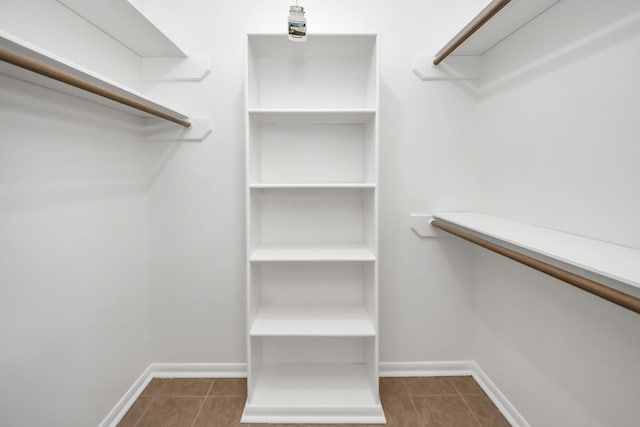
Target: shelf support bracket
[(455, 68), (165, 69), (157, 131), (421, 225)]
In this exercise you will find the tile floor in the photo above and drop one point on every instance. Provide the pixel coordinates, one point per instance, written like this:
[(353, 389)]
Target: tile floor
[(407, 402)]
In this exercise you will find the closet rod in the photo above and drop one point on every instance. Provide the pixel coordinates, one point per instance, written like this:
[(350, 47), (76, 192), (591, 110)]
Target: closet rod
[(613, 295), (482, 18), (46, 70)]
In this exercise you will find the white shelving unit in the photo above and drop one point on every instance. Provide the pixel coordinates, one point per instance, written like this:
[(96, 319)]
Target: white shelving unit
[(312, 242)]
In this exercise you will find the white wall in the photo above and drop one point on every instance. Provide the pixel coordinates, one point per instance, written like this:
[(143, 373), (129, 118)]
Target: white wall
[(74, 311), (197, 201), (558, 121), (553, 130)]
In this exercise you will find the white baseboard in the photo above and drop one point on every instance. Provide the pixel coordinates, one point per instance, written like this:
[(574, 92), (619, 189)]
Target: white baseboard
[(123, 405), (387, 369), (199, 370), (509, 411), (171, 370), (455, 369), (426, 369)]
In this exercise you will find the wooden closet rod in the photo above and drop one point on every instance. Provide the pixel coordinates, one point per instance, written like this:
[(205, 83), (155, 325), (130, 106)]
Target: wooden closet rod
[(473, 26), (46, 70), (613, 295)]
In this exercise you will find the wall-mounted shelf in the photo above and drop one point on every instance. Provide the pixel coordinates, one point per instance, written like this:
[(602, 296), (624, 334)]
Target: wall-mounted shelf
[(605, 269), (123, 21), (161, 58), (23, 61), (497, 21)]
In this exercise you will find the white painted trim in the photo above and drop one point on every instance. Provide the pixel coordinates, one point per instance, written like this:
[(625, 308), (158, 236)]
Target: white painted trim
[(115, 415), (313, 414), (387, 369), (454, 369), (427, 369), (509, 411), (199, 370), (170, 370)]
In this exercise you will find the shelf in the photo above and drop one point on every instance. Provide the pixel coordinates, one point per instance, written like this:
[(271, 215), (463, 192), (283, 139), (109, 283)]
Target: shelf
[(319, 252), (292, 186), (312, 116), (313, 393), (328, 321), (121, 20), (318, 384), (620, 264), (11, 44), (326, 71), (497, 21), (461, 55), (320, 217), (312, 146)]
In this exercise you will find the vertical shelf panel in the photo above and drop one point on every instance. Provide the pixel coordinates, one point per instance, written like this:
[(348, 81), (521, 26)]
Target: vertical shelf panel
[(312, 239)]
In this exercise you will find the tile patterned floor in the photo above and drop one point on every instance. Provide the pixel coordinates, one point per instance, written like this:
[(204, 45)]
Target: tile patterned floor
[(407, 402)]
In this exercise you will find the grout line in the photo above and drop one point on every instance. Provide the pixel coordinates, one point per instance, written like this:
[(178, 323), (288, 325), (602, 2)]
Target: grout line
[(434, 394), (210, 387), (413, 405), (199, 411), (202, 403), (153, 398), (185, 396), (473, 414)]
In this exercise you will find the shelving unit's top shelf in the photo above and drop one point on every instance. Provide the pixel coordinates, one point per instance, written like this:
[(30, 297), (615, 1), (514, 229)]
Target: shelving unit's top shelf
[(334, 72), (123, 21), (334, 45), (508, 20), (618, 263), (21, 47)]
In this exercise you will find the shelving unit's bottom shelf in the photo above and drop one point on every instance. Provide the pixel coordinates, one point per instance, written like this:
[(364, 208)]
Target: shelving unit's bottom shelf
[(314, 393)]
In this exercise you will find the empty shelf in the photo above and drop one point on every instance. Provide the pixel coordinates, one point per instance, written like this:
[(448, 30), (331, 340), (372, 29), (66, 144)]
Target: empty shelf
[(124, 22), (337, 321), (615, 262), (320, 252), (127, 100), (313, 393), (328, 185), (318, 384), (312, 116), (490, 27)]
